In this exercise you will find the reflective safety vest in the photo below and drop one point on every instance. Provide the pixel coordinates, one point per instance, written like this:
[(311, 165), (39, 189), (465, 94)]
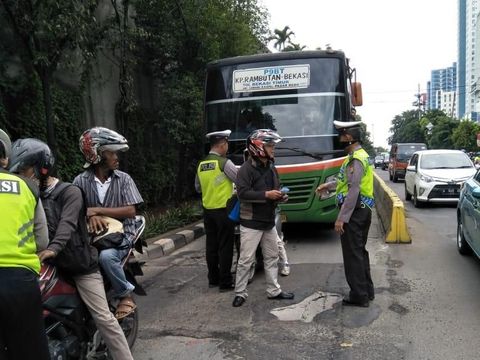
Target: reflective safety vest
[(217, 188), (366, 183), (17, 211)]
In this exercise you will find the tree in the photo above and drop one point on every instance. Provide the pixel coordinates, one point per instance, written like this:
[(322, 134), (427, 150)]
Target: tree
[(465, 136), (174, 41), (282, 37), (46, 31), (294, 47), (406, 128), (440, 136)]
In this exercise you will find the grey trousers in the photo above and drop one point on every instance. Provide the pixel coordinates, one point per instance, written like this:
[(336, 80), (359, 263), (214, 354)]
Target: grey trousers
[(249, 240), (92, 292), (282, 253)]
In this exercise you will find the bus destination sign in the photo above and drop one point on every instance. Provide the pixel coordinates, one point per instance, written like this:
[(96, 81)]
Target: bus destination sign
[(271, 78)]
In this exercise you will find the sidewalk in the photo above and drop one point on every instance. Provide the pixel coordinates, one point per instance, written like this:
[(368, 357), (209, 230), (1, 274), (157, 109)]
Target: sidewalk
[(167, 243)]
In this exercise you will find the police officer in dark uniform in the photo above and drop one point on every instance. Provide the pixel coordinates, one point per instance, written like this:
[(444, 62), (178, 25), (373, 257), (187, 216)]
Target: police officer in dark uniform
[(215, 178), (354, 194)]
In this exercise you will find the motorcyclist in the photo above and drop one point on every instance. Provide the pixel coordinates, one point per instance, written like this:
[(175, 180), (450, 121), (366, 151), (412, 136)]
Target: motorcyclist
[(112, 193), (69, 247)]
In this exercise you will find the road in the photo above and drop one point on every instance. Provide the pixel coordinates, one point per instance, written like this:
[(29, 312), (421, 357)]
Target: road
[(426, 304)]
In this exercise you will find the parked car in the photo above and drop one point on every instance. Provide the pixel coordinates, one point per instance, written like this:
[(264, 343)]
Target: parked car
[(468, 216), (437, 176), (400, 154), (378, 162)]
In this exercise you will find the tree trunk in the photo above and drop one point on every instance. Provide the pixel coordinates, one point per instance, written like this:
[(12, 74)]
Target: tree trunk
[(45, 78)]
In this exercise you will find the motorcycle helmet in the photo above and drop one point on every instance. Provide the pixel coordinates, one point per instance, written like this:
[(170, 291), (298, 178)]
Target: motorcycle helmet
[(258, 138), (32, 153), (6, 145), (98, 139)]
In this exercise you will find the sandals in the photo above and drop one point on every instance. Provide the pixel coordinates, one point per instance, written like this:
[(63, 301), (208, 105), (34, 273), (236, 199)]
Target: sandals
[(125, 308)]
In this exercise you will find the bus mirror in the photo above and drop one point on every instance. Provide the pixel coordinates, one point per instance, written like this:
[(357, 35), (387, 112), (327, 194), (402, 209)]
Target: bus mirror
[(357, 98)]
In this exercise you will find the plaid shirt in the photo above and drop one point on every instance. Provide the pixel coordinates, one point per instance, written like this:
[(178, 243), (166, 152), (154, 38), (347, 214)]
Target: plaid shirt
[(122, 192)]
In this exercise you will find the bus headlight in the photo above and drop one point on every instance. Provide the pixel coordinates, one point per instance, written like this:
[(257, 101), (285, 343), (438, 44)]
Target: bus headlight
[(329, 194)]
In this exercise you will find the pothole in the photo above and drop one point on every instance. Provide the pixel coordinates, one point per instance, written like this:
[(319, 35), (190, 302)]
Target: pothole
[(307, 309)]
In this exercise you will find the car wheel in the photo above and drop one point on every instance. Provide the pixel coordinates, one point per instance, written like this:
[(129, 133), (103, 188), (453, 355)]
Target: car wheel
[(416, 202), (462, 245), (408, 197)]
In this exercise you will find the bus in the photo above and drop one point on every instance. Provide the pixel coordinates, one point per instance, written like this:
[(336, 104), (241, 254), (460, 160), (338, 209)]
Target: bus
[(298, 94)]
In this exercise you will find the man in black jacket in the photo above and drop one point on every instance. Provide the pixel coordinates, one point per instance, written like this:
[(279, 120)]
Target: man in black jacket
[(258, 190), (68, 248)]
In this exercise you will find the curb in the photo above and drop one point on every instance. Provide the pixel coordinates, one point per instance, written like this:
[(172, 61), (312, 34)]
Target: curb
[(165, 244)]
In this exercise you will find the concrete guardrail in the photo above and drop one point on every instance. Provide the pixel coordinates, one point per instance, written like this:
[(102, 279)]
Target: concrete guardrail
[(391, 212)]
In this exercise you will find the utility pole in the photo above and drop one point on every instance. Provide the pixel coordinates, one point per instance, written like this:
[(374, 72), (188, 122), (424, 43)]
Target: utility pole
[(419, 103)]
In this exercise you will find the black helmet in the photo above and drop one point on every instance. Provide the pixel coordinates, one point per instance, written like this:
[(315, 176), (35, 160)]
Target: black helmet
[(32, 153), (258, 138), (5, 145), (95, 140)]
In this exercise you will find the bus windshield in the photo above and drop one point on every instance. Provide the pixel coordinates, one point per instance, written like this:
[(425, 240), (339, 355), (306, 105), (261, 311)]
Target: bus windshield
[(302, 111)]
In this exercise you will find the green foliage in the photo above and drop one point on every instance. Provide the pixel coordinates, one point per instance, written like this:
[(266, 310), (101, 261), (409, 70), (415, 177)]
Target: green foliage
[(173, 42), (165, 44), (21, 101), (406, 128), (465, 136), (157, 224)]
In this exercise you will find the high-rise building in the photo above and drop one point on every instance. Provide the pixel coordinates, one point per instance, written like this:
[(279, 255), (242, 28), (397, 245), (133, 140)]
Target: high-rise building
[(461, 63), (441, 81), (467, 72)]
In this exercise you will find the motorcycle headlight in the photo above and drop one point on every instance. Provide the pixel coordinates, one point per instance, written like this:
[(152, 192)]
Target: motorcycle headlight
[(426, 178)]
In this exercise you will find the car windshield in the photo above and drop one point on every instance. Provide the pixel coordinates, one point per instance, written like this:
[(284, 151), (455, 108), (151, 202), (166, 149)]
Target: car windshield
[(405, 152), (445, 161)]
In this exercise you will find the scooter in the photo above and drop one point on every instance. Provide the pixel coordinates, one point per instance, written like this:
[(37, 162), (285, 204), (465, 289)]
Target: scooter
[(70, 329)]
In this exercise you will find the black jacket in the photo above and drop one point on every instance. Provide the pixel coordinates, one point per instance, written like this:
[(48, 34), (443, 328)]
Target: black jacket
[(253, 180), (67, 230)]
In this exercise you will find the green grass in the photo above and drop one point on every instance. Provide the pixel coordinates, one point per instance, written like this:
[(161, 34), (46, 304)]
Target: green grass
[(158, 223)]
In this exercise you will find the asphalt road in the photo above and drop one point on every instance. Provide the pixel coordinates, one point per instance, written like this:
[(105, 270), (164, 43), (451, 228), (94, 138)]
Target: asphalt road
[(426, 304)]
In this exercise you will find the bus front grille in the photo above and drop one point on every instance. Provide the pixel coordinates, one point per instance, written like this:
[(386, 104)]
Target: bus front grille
[(301, 190)]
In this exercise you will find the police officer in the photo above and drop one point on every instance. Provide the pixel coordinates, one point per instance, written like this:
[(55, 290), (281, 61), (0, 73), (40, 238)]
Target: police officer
[(354, 194), (23, 232), (215, 177)]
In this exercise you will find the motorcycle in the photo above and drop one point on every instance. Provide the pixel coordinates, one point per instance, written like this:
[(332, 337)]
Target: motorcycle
[(70, 329)]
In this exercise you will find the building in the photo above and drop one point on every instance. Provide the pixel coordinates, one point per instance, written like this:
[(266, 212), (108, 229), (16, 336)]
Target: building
[(467, 72), (442, 82)]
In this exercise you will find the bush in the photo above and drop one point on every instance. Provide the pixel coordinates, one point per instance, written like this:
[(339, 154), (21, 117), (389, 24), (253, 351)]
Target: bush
[(157, 224)]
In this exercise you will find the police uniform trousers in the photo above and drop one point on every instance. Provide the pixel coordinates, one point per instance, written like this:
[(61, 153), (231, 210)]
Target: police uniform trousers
[(355, 256), (22, 332), (219, 231)]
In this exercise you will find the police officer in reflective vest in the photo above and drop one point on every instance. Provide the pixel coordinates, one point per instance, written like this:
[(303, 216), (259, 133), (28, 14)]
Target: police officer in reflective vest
[(354, 194), (23, 232), (215, 177)]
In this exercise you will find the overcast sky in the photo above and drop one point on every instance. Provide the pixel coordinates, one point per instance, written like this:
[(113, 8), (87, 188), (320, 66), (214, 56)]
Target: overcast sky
[(393, 44)]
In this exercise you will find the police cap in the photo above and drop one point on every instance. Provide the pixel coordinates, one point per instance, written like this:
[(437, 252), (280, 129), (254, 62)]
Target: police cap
[(216, 136)]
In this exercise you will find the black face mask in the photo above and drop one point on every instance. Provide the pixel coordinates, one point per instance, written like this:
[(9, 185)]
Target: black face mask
[(346, 143)]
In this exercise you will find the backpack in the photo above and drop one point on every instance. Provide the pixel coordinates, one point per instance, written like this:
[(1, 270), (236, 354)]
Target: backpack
[(78, 257)]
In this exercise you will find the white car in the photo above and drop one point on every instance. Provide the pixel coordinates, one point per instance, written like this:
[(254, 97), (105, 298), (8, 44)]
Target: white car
[(437, 176)]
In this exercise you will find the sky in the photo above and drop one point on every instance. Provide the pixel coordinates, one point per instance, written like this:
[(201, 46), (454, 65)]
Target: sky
[(393, 44)]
